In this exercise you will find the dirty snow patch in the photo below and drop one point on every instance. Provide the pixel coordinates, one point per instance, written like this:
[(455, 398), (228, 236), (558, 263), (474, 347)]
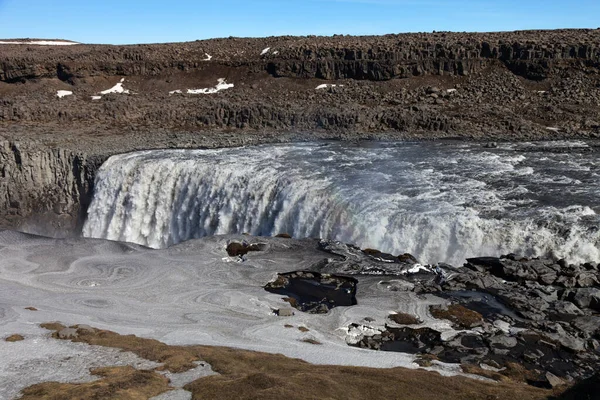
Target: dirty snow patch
[(265, 51), (43, 43), (118, 88), (208, 57), (451, 90), (62, 93), (96, 97), (552, 128), (416, 269), (221, 85), (326, 85)]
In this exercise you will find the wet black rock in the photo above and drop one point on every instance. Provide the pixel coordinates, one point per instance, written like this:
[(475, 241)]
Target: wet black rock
[(351, 260), (539, 314), (314, 292)]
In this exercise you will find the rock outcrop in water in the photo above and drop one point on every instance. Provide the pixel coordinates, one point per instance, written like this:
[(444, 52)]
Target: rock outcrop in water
[(508, 314), (314, 292)]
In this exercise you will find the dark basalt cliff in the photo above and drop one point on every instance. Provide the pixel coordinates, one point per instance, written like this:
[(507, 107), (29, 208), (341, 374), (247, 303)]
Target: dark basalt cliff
[(42, 190), (532, 54), (485, 86)]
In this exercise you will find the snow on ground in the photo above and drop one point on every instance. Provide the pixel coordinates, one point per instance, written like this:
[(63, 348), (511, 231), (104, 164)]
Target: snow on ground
[(208, 57), (553, 129), (221, 85), (118, 88), (62, 93), (40, 358), (326, 85), (96, 97), (182, 295), (42, 43), (265, 51)]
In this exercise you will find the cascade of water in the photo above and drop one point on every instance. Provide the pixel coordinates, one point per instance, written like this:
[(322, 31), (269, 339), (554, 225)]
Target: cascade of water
[(431, 204)]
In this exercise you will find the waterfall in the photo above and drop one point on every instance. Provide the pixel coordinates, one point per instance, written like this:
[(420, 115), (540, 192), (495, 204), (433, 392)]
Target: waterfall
[(390, 199)]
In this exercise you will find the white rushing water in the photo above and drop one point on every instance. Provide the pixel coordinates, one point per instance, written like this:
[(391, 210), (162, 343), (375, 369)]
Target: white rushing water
[(439, 202)]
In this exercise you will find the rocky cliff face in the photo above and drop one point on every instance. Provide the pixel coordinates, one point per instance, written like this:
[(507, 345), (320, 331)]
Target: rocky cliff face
[(532, 54), (511, 85), (44, 191)]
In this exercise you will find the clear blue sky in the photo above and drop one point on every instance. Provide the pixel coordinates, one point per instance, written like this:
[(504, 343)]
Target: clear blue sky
[(149, 21)]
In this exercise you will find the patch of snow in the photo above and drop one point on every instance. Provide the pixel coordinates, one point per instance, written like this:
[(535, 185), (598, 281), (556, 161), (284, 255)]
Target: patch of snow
[(541, 91), (275, 53), (326, 85), (62, 93), (40, 358), (43, 43), (175, 91), (96, 97), (451, 90), (221, 85), (208, 57), (118, 88), (356, 333), (553, 129), (178, 394), (265, 51), (416, 268)]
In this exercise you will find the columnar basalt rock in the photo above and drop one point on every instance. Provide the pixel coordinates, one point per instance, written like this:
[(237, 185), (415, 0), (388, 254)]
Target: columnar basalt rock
[(43, 190)]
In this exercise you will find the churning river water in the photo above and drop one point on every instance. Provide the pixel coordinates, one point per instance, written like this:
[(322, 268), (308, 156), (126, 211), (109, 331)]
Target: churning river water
[(438, 201)]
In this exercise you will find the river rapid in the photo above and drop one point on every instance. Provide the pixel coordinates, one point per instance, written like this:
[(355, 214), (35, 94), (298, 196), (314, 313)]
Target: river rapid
[(441, 202)]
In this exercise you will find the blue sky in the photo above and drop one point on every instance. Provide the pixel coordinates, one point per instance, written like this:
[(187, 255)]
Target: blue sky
[(150, 21)]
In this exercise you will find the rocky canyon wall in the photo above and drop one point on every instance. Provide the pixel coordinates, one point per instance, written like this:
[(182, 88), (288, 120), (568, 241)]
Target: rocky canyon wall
[(44, 191)]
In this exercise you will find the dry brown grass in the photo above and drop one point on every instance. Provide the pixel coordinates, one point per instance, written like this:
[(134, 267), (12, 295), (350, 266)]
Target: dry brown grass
[(116, 383), (253, 375), (31, 308), (425, 360), (404, 319), (458, 314), (14, 338), (174, 358), (303, 329)]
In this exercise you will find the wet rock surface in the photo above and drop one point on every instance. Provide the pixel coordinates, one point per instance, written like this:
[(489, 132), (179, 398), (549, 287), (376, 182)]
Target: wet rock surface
[(540, 315), (314, 292)]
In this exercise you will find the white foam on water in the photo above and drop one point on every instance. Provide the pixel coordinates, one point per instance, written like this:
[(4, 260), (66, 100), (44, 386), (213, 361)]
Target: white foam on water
[(435, 205)]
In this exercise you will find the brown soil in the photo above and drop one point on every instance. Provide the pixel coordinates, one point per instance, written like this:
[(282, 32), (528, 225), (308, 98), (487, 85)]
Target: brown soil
[(404, 319), (15, 338), (253, 375), (458, 314)]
